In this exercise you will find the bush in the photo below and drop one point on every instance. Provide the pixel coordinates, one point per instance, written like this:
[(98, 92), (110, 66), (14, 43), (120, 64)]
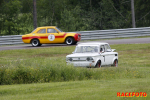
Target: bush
[(56, 73)]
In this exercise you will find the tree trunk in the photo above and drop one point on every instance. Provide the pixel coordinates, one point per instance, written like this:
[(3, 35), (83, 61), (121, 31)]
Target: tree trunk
[(34, 14), (133, 15)]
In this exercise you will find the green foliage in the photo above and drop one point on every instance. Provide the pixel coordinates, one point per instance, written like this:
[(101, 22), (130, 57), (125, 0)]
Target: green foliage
[(53, 72), (27, 6), (71, 20), (71, 15), (10, 15), (49, 12), (14, 23)]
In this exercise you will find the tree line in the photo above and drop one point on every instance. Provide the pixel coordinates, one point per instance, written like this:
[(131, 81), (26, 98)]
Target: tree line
[(16, 16)]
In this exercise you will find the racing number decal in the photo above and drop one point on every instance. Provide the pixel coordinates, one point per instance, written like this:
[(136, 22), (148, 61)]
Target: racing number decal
[(51, 37)]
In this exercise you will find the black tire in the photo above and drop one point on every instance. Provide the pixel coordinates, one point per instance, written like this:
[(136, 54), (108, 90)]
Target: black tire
[(39, 44), (115, 63), (75, 42), (69, 41), (98, 64), (35, 43)]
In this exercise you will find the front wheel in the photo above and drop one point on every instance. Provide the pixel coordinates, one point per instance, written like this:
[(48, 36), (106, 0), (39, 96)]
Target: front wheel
[(69, 41), (39, 44), (98, 64), (115, 64), (75, 43), (35, 43)]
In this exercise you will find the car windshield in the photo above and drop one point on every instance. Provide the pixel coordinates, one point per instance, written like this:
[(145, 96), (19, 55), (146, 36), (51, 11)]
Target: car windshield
[(59, 29), (86, 49), (33, 30)]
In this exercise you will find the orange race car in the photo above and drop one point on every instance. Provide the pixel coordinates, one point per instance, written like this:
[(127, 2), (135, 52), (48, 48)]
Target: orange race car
[(50, 34)]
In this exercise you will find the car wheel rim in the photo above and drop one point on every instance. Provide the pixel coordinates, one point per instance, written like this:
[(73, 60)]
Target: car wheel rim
[(69, 41), (35, 43), (116, 64), (98, 65)]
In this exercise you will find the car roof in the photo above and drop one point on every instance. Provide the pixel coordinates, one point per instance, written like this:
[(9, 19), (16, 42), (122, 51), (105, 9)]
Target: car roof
[(45, 26), (92, 43)]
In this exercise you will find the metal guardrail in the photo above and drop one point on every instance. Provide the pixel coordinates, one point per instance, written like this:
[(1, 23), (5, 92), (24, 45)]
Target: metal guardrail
[(11, 39), (86, 35), (115, 33)]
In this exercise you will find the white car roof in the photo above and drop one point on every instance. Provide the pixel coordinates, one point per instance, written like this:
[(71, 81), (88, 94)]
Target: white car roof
[(92, 43)]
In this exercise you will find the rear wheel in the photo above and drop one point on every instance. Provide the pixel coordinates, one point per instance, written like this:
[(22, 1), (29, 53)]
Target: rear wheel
[(98, 64), (115, 64), (69, 41), (35, 43)]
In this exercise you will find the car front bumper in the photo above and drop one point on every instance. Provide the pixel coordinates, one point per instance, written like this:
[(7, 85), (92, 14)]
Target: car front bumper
[(82, 64)]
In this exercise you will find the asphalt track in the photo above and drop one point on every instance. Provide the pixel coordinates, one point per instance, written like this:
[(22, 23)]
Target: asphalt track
[(117, 41)]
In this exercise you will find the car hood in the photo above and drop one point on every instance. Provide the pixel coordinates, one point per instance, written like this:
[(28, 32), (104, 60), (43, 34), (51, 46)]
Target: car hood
[(83, 55), (26, 34)]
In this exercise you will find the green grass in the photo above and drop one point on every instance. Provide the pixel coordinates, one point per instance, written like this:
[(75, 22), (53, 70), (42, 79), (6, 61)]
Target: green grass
[(46, 70), (77, 90)]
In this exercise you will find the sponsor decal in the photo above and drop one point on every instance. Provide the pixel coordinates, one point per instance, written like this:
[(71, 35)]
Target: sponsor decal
[(131, 94)]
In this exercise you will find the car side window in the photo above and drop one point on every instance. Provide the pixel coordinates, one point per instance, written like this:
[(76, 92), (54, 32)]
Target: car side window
[(50, 30), (107, 48), (42, 31), (102, 48)]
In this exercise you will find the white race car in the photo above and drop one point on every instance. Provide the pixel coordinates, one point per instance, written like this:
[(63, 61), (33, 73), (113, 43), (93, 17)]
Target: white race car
[(93, 54)]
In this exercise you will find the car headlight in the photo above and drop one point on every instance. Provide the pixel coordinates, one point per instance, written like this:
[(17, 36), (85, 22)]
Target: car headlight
[(89, 58), (79, 35), (68, 59)]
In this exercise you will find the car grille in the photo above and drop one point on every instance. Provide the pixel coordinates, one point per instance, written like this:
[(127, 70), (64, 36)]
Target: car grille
[(79, 59)]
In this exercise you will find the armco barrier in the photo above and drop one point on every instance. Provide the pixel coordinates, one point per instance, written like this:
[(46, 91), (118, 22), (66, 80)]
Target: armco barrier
[(115, 33), (11, 39), (86, 35)]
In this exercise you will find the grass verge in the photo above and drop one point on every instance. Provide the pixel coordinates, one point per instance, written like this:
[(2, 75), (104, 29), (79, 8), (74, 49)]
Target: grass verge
[(49, 65), (46, 69), (77, 90)]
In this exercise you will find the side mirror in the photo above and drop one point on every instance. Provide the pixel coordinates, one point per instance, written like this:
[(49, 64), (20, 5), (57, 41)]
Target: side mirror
[(109, 50)]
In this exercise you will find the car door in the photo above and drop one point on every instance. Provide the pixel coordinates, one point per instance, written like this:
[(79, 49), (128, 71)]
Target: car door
[(41, 35), (108, 55), (54, 36)]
